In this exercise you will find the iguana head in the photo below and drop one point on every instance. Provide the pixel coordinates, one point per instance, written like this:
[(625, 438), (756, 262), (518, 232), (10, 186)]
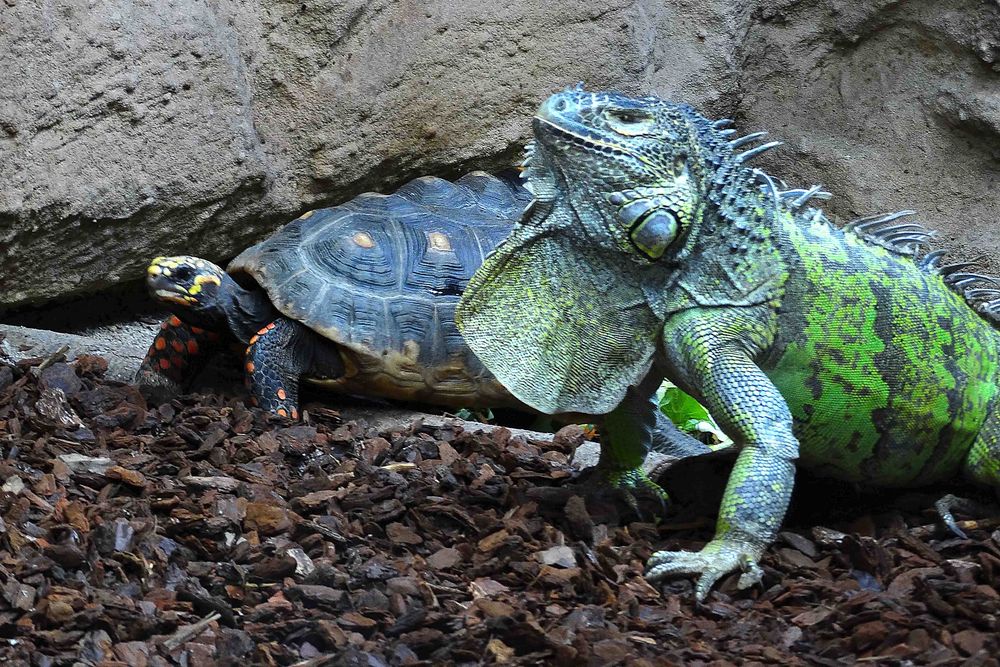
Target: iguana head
[(558, 312), (628, 158)]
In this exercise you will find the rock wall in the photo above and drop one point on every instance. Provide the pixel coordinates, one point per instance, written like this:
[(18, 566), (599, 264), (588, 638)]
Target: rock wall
[(134, 128)]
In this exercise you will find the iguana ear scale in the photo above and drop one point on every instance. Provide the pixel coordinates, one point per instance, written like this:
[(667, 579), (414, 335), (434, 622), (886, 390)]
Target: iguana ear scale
[(654, 233)]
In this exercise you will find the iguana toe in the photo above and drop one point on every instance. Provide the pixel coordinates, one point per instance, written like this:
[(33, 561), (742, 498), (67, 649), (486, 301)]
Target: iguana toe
[(630, 484), (717, 559)]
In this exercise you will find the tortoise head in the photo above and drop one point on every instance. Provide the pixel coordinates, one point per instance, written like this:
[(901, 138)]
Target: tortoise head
[(188, 286)]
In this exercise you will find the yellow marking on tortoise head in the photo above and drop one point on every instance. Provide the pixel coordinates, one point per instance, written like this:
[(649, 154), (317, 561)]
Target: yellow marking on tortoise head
[(439, 241), (363, 240), (203, 279)]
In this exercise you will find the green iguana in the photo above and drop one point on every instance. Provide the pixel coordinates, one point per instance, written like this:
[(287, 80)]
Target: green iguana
[(653, 251)]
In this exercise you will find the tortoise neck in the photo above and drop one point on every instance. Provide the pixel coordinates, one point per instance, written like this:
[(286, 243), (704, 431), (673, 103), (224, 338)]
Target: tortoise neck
[(246, 310)]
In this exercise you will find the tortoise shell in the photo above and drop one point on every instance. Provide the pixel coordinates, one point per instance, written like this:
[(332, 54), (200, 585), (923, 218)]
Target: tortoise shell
[(381, 275)]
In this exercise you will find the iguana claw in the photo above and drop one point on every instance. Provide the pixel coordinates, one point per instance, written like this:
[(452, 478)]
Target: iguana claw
[(946, 505), (630, 482), (717, 559)]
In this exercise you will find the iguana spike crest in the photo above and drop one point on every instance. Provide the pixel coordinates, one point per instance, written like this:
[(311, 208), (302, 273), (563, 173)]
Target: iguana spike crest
[(754, 152)]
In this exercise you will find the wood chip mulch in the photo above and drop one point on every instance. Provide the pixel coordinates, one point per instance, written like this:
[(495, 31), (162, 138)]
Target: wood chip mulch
[(200, 532)]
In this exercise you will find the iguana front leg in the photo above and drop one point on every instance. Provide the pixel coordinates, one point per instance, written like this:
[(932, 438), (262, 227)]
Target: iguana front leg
[(710, 354), (627, 433)]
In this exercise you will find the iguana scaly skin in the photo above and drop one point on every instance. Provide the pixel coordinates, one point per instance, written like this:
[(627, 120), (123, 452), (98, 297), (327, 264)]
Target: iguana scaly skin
[(652, 251)]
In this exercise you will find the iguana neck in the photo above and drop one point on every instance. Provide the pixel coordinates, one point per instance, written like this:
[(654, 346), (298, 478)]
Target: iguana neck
[(732, 257)]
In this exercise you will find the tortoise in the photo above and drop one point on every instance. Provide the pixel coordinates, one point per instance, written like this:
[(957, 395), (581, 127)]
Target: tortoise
[(358, 298)]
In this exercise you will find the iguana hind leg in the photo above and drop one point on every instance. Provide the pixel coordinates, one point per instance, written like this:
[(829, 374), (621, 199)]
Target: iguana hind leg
[(982, 466)]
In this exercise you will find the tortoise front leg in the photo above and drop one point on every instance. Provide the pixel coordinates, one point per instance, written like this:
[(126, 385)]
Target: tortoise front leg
[(278, 355), (176, 355)]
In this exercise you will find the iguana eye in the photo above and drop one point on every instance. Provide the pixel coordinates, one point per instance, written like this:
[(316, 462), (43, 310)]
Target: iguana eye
[(629, 121), (628, 115)]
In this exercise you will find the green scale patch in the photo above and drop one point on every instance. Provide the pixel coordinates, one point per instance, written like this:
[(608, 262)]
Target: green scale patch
[(888, 375)]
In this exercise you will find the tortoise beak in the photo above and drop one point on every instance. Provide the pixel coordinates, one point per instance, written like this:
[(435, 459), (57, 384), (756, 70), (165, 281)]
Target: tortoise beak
[(163, 286)]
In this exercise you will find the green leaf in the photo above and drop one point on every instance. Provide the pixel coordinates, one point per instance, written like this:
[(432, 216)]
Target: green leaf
[(689, 415), (682, 409)]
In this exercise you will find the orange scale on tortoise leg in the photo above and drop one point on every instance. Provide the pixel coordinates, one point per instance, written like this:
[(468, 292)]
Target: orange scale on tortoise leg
[(192, 347)]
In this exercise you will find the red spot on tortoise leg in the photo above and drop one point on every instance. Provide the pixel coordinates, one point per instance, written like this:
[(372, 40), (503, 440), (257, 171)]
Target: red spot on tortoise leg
[(164, 364), (160, 343), (282, 412), (174, 321), (197, 331), (250, 367), (178, 346), (281, 394), (192, 347), (295, 413)]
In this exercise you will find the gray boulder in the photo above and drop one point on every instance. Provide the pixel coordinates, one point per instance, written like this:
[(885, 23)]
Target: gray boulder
[(131, 129)]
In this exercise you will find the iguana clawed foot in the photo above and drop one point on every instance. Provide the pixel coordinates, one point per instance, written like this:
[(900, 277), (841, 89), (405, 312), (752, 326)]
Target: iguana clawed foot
[(716, 559), (628, 484), (946, 505)]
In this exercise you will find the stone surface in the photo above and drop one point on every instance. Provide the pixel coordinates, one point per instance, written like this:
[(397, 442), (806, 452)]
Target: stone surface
[(132, 128), (892, 105)]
